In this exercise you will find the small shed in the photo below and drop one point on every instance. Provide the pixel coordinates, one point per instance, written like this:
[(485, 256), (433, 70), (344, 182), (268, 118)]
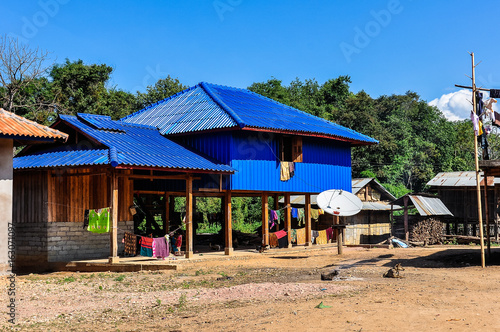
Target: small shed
[(458, 192), (427, 205), (15, 131)]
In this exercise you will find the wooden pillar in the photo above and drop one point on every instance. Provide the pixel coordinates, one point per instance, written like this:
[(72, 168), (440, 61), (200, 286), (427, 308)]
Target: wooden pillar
[(265, 220), (228, 250), (113, 234), (171, 210), (189, 216), (338, 231), (307, 212), (488, 241), (405, 200), (288, 219), (166, 221)]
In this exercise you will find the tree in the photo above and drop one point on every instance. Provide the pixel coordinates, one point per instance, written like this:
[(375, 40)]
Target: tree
[(20, 69), (162, 89)]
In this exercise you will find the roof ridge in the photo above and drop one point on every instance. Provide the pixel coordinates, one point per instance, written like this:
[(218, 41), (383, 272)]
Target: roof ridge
[(295, 109), (206, 86), (159, 101)]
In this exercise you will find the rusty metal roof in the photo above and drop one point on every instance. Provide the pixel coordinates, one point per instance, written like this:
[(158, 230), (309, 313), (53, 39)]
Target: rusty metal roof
[(427, 205), (360, 183), (459, 179), (20, 129)]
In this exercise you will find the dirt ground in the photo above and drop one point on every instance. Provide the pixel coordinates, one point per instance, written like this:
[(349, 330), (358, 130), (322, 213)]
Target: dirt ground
[(443, 289)]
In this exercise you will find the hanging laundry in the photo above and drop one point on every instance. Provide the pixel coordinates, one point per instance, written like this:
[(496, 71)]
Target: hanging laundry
[(321, 239), (99, 221), (329, 234), (160, 247), (315, 214), (274, 215), (295, 212), (293, 236), (494, 93), (314, 235), (130, 243), (301, 236), (285, 171), (300, 217), (475, 122), (279, 214), (291, 168), (320, 211), (280, 234), (146, 246)]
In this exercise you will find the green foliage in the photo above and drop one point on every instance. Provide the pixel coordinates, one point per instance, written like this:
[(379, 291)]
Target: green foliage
[(162, 89)]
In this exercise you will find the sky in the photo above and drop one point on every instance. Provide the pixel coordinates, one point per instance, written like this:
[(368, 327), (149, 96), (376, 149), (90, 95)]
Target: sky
[(386, 47)]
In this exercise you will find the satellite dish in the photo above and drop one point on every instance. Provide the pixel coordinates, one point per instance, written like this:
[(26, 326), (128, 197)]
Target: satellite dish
[(339, 202)]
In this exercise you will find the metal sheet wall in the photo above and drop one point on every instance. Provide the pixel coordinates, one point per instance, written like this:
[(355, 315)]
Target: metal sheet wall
[(324, 151), (215, 145), (312, 178)]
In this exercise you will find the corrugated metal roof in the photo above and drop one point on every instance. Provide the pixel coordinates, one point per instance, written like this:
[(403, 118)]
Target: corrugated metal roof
[(209, 106), (19, 128), (62, 159), (379, 206), (458, 179), (130, 144), (427, 205)]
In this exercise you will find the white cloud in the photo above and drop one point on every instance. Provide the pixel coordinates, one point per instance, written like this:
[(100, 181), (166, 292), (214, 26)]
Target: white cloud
[(457, 105)]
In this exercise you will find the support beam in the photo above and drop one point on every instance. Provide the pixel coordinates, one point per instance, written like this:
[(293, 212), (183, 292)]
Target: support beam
[(113, 234), (405, 201), (488, 240), (166, 220), (189, 217), (340, 248), (228, 250), (265, 220), (307, 213), (277, 207), (288, 219)]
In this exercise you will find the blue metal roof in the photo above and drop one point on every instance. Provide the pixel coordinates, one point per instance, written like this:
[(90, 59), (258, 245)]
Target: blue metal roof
[(128, 145), (209, 106)]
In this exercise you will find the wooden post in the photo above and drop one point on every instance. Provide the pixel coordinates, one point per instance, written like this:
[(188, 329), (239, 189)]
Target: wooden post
[(488, 241), (113, 234), (265, 220), (228, 250), (405, 201), (340, 248), (288, 219), (307, 213), (166, 221), (189, 216), (478, 183)]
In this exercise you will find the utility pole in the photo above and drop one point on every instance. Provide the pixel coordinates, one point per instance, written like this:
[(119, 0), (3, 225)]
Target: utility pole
[(476, 160), (478, 180)]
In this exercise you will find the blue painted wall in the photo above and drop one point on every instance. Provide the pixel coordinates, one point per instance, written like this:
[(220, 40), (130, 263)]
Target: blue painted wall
[(326, 163)]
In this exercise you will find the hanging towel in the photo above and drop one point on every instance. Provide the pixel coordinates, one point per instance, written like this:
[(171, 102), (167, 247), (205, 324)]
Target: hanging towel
[(285, 171), (321, 239), (295, 212), (160, 247), (294, 236), (130, 243), (278, 214), (274, 215), (475, 122), (300, 218), (291, 168), (273, 240), (146, 246), (301, 236)]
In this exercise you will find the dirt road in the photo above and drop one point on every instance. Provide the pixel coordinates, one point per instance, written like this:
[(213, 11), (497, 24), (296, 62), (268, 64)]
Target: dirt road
[(442, 289)]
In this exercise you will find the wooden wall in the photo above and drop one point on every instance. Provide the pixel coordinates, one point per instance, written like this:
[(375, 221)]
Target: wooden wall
[(55, 196)]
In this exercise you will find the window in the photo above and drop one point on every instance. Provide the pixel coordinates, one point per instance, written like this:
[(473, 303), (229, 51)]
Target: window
[(291, 149)]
